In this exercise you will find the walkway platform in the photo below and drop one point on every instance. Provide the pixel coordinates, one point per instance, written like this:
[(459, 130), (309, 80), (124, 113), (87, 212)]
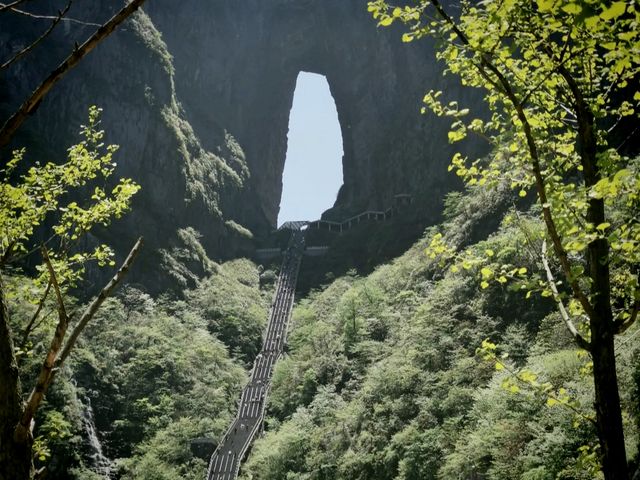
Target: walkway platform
[(232, 449)]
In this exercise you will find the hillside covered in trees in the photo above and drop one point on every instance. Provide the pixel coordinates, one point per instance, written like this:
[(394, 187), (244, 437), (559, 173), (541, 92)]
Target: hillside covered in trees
[(386, 377), (383, 378)]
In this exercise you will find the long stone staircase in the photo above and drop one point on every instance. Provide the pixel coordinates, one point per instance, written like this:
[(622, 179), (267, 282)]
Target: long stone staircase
[(227, 458)]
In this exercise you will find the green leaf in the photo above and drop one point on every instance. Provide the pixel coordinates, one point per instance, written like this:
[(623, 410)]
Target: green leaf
[(628, 247), (592, 22), (572, 8), (528, 376), (545, 5), (614, 11), (455, 135)]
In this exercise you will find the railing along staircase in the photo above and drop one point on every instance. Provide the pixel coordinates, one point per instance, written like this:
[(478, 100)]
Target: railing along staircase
[(227, 458)]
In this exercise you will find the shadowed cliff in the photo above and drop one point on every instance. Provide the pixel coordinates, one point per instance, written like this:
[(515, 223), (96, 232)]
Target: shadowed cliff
[(198, 97)]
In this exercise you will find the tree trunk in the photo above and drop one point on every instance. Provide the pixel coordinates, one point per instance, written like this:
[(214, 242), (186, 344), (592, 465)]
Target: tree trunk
[(15, 458), (607, 398), (607, 403)]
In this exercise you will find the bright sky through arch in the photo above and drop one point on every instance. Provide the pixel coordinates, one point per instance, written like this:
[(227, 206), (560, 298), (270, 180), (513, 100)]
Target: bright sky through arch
[(313, 167)]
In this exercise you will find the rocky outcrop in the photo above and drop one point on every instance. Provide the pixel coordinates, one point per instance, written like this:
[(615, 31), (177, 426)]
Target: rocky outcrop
[(198, 94), (186, 183)]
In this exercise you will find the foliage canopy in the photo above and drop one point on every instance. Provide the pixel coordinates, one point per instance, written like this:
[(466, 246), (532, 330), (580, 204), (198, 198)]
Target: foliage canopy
[(558, 79), (46, 196)]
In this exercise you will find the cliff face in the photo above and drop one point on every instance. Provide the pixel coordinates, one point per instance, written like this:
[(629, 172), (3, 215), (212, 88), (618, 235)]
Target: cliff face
[(237, 63), (198, 94)]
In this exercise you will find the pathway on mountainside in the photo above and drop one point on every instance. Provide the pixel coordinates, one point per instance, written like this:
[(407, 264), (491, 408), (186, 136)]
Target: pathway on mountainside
[(400, 201), (225, 461)]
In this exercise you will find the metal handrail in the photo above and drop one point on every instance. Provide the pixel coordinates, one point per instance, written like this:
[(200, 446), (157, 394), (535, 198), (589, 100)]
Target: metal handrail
[(346, 223), (279, 318)]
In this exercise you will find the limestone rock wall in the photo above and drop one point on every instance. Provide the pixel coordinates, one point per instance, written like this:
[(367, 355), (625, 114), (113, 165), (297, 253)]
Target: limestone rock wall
[(198, 95), (237, 63)]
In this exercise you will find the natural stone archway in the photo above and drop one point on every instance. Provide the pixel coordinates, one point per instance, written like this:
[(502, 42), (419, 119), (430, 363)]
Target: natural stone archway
[(198, 95), (238, 64)]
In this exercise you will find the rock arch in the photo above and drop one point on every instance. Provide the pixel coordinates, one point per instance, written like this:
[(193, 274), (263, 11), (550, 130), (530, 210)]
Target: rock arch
[(238, 67), (198, 94)]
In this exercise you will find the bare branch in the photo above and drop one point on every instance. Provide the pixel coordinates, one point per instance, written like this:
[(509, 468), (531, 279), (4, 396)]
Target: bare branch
[(98, 300), (9, 6), (579, 339), (54, 281), (29, 328), (33, 44), (52, 362), (621, 326), (41, 473), (23, 428), (53, 17), (43, 317), (631, 135), (19, 258), (31, 104)]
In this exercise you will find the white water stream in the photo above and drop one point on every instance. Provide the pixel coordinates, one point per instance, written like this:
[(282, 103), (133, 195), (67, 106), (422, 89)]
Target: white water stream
[(99, 462)]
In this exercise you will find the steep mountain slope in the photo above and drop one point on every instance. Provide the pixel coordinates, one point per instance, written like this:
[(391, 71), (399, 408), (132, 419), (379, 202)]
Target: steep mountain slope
[(154, 380), (383, 380)]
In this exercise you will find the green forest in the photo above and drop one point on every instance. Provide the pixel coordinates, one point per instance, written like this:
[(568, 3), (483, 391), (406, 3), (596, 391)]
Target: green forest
[(156, 324)]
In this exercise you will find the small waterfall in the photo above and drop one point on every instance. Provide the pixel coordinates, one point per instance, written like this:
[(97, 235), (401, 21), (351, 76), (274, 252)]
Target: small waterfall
[(99, 462)]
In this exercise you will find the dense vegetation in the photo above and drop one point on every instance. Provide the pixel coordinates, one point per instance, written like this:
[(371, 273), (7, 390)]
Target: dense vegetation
[(453, 361), (383, 379), (385, 376), (555, 77), (153, 373)]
